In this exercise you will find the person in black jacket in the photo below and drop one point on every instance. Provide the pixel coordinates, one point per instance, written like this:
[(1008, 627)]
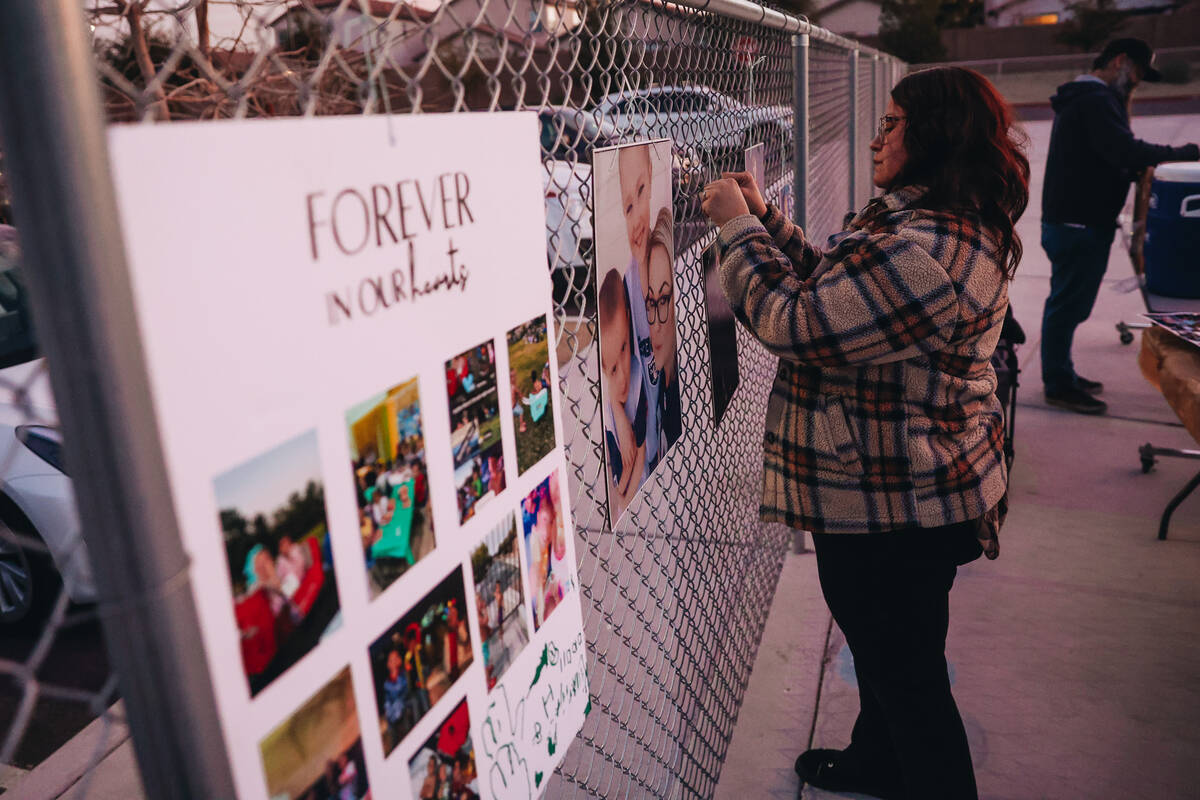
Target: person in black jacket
[(1093, 159)]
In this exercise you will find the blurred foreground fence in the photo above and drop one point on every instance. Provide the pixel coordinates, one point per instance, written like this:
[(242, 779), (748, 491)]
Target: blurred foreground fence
[(674, 600)]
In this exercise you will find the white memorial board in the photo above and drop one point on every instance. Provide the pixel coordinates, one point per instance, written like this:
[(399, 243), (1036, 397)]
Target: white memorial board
[(328, 309)]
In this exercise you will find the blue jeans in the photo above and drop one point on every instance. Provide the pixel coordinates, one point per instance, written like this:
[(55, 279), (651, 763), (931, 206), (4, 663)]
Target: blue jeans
[(1078, 259)]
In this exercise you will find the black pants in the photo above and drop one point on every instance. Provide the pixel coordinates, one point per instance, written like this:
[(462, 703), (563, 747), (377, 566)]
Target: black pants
[(889, 593)]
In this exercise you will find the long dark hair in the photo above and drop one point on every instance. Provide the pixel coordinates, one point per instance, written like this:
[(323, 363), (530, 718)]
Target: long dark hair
[(963, 145)]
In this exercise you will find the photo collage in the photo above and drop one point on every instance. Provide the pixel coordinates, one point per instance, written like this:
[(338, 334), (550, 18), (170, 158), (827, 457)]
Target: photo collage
[(275, 528)]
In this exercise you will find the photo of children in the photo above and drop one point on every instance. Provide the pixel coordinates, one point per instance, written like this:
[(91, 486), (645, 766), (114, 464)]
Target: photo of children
[(635, 257), (387, 451), (273, 520), (1184, 324), (722, 335), (529, 378), (444, 767), (503, 617), (419, 657), (550, 576), (475, 428), (316, 753)]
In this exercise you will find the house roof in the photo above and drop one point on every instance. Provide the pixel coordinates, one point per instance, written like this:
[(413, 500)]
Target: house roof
[(376, 8), (1005, 6)]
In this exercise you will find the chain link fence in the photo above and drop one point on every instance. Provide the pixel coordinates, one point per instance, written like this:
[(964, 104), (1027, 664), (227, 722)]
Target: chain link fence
[(676, 596)]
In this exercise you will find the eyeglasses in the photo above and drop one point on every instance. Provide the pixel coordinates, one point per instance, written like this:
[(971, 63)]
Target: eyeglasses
[(887, 123), (658, 308)]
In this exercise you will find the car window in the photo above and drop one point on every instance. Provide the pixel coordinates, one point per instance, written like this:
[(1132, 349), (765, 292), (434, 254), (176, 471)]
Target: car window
[(692, 103), (621, 106), (658, 103), (563, 141)]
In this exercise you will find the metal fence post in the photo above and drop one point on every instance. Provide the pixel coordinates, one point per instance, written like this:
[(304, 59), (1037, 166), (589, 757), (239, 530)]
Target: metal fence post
[(852, 124), (55, 148), (800, 50), (877, 104)]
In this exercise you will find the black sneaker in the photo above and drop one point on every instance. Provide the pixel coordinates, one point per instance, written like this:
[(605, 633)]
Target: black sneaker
[(1076, 400), (1091, 387), (834, 771)]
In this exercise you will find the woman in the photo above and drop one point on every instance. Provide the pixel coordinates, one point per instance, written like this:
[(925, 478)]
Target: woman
[(884, 434), (660, 315)]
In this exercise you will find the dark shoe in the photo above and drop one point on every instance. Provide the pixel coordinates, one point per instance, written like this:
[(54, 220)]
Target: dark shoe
[(1091, 387), (833, 771), (1076, 400)]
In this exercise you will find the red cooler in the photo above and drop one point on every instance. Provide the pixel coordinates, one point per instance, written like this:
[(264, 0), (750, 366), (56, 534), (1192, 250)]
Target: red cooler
[(1173, 231)]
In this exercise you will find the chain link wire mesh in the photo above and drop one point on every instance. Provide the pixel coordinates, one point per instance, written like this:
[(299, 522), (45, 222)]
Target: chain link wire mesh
[(830, 97), (676, 596)]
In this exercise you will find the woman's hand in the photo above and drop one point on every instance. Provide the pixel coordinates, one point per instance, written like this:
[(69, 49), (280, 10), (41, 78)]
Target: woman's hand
[(750, 191), (722, 200)]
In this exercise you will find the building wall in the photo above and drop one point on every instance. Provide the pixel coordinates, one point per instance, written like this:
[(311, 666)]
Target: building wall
[(1006, 14), (858, 19), (1178, 29)]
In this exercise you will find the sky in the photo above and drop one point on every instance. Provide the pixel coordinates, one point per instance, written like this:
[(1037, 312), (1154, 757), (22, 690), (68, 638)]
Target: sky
[(264, 483)]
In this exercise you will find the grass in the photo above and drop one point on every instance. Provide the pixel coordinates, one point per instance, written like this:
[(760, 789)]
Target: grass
[(538, 438), (489, 432)]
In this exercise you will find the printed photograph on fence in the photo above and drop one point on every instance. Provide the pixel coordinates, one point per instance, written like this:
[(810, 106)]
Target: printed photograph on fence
[(1184, 324), (272, 517), (444, 767), (317, 751), (722, 335), (635, 257), (756, 164), (420, 657), (475, 437), (391, 486), (500, 601), (550, 575), (532, 396)]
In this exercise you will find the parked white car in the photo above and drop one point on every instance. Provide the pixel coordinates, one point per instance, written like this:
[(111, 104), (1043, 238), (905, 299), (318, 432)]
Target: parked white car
[(37, 502), (698, 117), (568, 137)]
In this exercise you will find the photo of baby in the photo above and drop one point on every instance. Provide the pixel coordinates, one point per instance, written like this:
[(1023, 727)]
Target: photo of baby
[(550, 575), (391, 486), (420, 657), (273, 523), (529, 379), (444, 767), (475, 438), (636, 293), (503, 617), (316, 754)]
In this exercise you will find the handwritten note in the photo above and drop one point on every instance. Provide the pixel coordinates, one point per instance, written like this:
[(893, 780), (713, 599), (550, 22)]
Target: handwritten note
[(524, 732)]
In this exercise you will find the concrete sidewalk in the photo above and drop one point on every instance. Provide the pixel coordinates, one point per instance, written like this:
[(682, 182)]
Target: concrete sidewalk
[(1075, 656)]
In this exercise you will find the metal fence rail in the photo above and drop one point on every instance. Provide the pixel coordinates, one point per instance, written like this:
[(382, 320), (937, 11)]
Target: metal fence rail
[(676, 597)]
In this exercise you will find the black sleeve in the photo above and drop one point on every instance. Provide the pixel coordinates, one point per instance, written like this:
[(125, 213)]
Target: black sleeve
[(1111, 138)]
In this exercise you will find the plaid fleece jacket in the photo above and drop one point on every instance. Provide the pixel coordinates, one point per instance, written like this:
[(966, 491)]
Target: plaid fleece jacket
[(883, 414)]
